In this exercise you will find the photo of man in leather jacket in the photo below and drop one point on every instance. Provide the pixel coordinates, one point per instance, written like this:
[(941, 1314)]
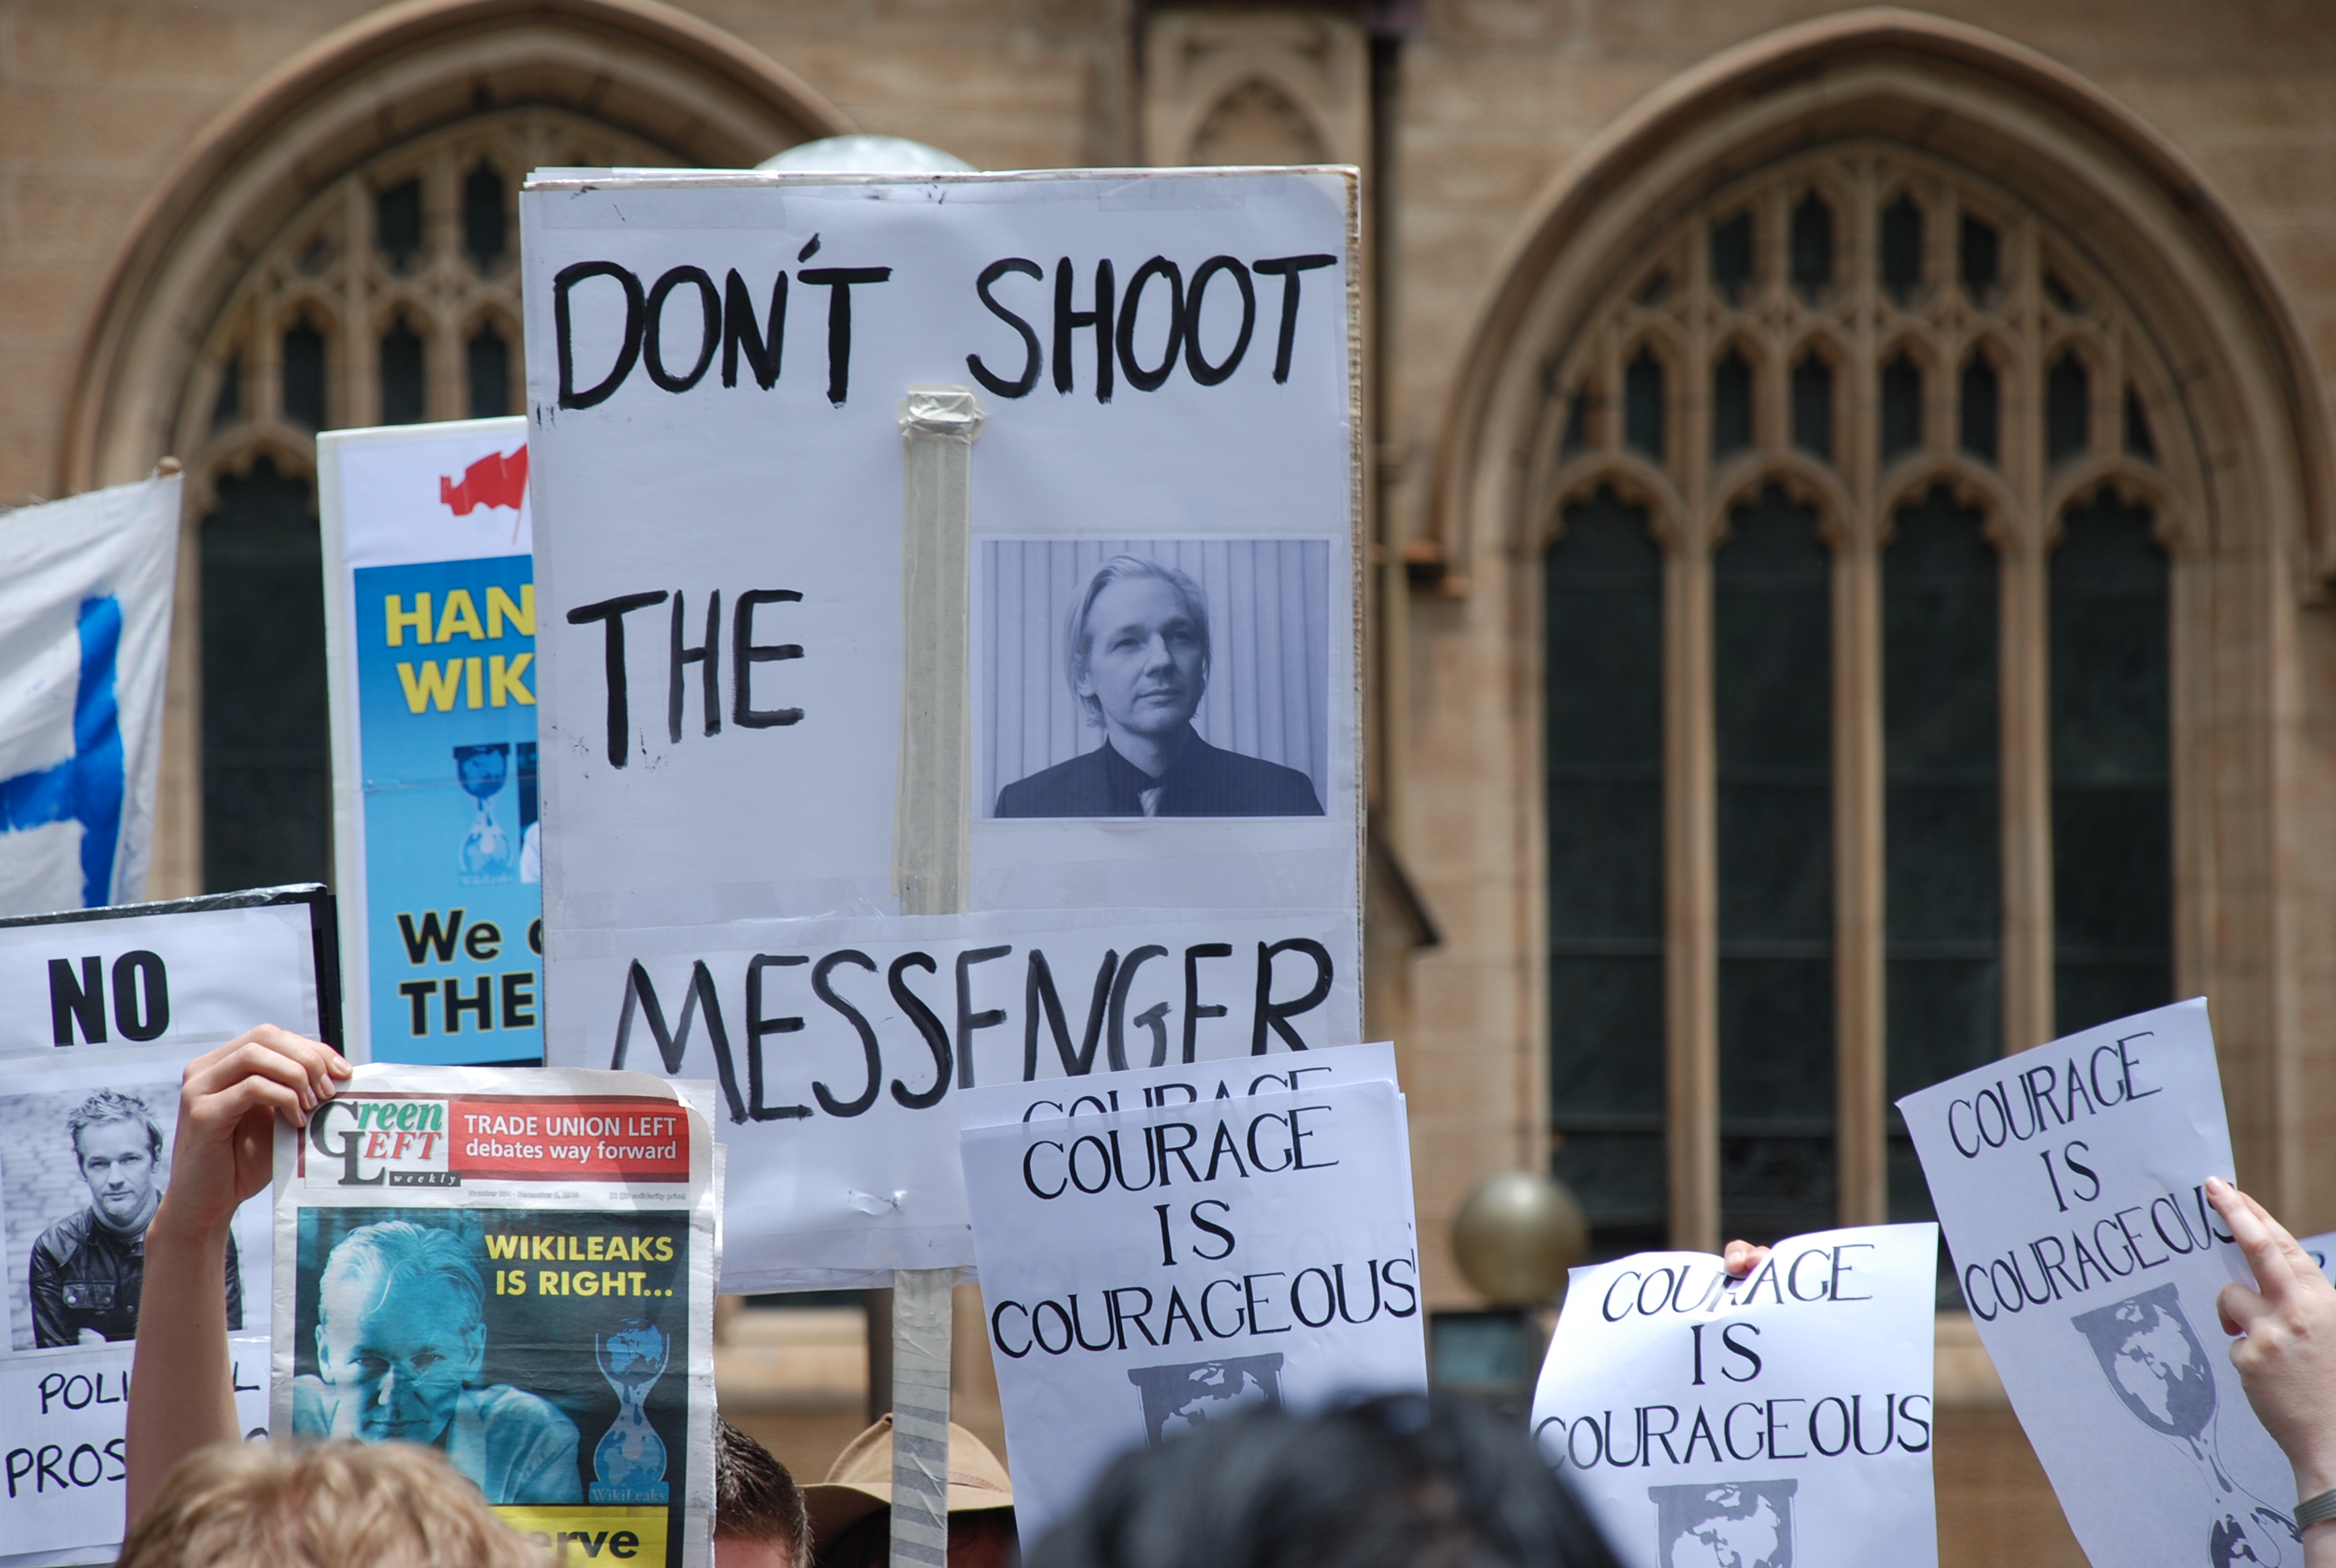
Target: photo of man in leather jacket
[(88, 1268)]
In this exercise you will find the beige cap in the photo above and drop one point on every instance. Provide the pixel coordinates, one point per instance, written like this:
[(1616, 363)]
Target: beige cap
[(859, 1481)]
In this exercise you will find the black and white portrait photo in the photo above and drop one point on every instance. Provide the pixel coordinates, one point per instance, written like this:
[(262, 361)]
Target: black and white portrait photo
[(81, 1172), (1155, 677)]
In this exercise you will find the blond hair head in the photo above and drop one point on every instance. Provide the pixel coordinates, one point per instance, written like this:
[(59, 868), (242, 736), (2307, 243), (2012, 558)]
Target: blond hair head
[(341, 1504)]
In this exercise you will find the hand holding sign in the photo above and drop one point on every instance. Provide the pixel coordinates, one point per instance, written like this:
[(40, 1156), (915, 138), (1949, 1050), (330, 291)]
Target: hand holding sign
[(2287, 1359)]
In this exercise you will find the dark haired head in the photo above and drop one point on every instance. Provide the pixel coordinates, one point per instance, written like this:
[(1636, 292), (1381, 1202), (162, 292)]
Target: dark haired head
[(1404, 1481), (755, 1498)]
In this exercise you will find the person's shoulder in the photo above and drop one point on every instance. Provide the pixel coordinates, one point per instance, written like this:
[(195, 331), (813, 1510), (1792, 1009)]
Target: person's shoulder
[(1072, 788), (1252, 786), (61, 1241), (500, 1403)]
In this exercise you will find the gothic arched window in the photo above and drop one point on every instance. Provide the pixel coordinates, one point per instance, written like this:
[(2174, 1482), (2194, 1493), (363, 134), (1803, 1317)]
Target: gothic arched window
[(1867, 487), (389, 297)]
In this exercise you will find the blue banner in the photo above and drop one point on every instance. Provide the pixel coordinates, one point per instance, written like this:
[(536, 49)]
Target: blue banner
[(445, 655)]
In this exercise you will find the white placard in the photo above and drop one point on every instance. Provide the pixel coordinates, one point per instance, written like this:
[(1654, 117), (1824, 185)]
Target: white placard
[(1781, 1418), (839, 1047), (1147, 1088), (86, 586), (1264, 1252), (1157, 667), (192, 972), (2069, 1180)]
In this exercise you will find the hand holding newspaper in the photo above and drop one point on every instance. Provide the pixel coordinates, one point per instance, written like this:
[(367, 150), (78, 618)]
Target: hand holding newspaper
[(518, 1268)]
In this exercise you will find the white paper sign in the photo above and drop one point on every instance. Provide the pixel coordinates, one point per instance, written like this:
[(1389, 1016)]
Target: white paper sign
[(840, 1045), (1783, 1418), (100, 1013), (2322, 1248), (85, 597), (191, 972), (1161, 1266), (2069, 1183), (1155, 666)]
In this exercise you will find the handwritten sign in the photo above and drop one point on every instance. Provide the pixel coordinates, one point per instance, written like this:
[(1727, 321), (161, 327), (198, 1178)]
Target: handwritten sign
[(1146, 1270), (1781, 1418), (1137, 630), (2069, 1180)]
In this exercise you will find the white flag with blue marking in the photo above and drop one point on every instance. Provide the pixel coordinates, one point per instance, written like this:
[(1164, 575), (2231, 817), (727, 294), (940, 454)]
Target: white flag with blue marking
[(85, 588)]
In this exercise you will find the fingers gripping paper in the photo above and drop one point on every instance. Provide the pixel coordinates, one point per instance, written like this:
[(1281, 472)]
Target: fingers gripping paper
[(518, 1268), (2069, 1183)]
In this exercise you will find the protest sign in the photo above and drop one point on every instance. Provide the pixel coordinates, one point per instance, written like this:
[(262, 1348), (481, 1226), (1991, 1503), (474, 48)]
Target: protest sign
[(429, 634), (1159, 1267), (85, 594), (839, 1049), (100, 1013), (1106, 661), (2069, 1180), (518, 1267), (2322, 1248), (1780, 1418)]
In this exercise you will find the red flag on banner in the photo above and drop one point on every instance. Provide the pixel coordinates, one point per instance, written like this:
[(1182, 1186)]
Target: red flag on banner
[(495, 480)]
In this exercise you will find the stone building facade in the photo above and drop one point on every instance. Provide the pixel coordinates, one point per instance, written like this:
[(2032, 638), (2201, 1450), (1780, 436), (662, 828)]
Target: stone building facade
[(1852, 500)]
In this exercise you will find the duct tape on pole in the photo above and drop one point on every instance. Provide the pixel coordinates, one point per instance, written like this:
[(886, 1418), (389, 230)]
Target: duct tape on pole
[(932, 826)]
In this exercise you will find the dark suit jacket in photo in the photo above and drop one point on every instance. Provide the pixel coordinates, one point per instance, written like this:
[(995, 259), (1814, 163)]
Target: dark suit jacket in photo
[(1204, 783)]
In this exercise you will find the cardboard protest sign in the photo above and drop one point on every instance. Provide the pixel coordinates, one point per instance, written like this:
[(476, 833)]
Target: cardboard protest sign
[(86, 596), (2069, 1180), (1157, 1267), (429, 636), (1784, 1418), (1137, 649), (100, 1013), (518, 1267)]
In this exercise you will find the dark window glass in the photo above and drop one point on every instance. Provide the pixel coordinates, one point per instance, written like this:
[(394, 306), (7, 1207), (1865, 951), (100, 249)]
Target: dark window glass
[(1731, 404), (1603, 581), (1901, 248), (488, 363), (1772, 657), (397, 224), (1813, 406), (1575, 440), (401, 374), (2138, 441), (1731, 256), (2067, 408), (485, 227), (266, 802), (304, 375), (1902, 406), (1976, 259), (1943, 940), (1812, 245), (2112, 809), (227, 407), (1979, 410), (2057, 290), (1643, 405)]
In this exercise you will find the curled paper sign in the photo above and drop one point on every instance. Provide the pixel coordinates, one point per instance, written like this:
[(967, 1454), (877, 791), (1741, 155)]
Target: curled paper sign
[(2069, 1180), (1781, 1418)]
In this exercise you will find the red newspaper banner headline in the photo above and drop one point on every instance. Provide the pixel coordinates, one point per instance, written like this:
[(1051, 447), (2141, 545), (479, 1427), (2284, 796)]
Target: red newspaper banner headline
[(524, 1138)]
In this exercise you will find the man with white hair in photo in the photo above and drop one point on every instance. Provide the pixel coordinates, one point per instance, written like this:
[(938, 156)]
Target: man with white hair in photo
[(1136, 653), (401, 1345), (89, 1269)]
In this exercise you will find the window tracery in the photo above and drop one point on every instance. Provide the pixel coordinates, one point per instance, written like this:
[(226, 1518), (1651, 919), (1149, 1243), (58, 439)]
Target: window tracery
[(1920, 482)]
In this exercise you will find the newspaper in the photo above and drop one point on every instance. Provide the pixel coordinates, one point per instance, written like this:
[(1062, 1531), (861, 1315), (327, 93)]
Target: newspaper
[(518, 1267)]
